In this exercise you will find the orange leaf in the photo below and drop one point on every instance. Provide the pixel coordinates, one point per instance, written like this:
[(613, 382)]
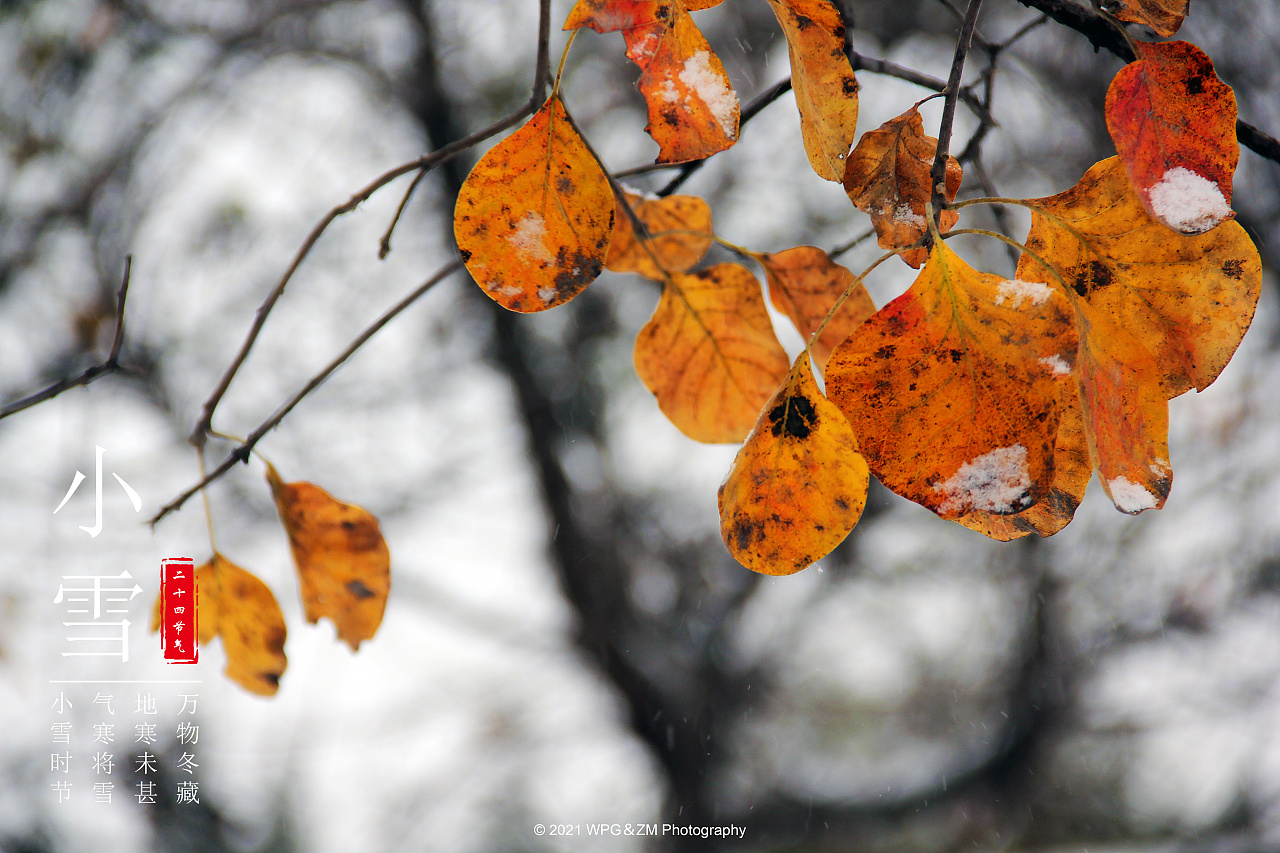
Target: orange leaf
[(1163, 16), (676, 251), (952, 388), (887, 176), (533, 218), (1072, 468), (343, 563), (826, 90), (693, 111), (607, 16), (803, 284), (1126, 413), (709, 353), (1174, 125), (1187, 299), (798, 485)]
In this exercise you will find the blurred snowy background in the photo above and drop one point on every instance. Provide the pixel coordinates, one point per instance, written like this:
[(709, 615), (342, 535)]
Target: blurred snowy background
[(567, 641)]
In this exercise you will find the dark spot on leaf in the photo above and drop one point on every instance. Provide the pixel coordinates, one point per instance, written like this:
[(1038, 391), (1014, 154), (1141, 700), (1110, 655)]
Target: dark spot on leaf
[(348, 524), (466, 255), (271, 678), (1233, 269), (803, 22), (742, 534), (957, 356), (796, 415), (564, 185), (359, 590), (1195, 85), (1093, 276), (841, 504), (850, 86), (886, 351)]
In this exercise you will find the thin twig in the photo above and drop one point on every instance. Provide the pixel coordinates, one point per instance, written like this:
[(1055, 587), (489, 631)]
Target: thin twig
[(542, 76), (924, 81), (384, 245), (851, 244), (764, 99), (425, 163), (938, 175), (241, 452), (110, 365)]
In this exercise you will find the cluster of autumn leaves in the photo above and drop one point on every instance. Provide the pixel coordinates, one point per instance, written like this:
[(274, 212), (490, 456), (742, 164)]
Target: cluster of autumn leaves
[(990, 401), (344, 571)]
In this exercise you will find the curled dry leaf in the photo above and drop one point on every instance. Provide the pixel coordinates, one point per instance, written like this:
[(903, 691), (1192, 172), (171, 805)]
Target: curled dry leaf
[(238, 607), (1174, 125), (964, 366), (804, 283), (798, 485), (1163, 16), (671, 247), (344, 567), (693, 111), (533, 218), (822, 78), (709, 353), (888, 177)]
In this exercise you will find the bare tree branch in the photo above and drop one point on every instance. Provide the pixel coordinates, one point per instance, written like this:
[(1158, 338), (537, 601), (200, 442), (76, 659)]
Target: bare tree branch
[(110, 365), (938, 176), (201, 432), (241, 452)]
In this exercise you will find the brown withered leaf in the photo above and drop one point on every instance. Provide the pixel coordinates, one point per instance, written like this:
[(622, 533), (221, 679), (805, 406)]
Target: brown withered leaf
[(888, 177), (671, 247), (709, 353), (344, 567), (804, 283), (797, 486)]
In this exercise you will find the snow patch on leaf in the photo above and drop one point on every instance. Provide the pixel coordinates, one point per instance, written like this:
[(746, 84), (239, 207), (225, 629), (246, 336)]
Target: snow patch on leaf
[(529, 238), (712, 88), (1017, 290), (1130, 497), (1188, 202), (904, 214), (1056, 364), (994, 482)]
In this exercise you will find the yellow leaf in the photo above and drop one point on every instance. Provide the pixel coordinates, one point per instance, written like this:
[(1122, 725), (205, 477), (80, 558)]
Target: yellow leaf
[(826, 90), (798, 485), (952, 388), (803, 284), (1188, 299), (344, 567), (533, 218), (668, 221), (250, 624), (709, 353)]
